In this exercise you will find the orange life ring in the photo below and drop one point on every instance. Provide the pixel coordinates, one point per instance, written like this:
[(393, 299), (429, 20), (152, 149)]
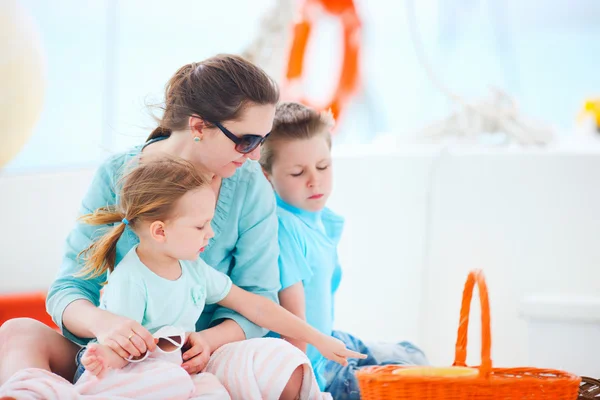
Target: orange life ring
[(349, 75)]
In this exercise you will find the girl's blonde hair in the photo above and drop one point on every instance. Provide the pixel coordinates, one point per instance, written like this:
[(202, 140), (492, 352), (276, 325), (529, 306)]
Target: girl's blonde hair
[(294, 121), (149, 192)]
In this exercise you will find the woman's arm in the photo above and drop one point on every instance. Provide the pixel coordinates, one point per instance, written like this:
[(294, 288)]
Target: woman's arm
[(72, 300), (83, 318), (292, 299)]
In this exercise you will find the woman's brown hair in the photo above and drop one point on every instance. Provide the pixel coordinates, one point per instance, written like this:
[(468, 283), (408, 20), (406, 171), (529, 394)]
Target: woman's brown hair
[(216, 89), (149, 192)]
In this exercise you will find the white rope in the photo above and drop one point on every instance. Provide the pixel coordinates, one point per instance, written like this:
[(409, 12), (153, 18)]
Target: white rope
[(498, 113), (271, 44)]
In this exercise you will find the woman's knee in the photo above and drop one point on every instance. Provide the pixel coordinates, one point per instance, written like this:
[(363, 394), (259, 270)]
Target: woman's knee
[(37, 344), (25, 336), (294, 385), (23, 330)]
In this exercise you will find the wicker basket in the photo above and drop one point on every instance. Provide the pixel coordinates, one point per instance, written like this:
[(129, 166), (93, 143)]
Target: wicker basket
[(589, 389), (380, 383)]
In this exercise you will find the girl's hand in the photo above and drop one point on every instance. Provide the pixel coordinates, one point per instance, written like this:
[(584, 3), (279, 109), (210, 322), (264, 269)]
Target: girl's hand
[(124, 336), (335, 350), (198, 353)]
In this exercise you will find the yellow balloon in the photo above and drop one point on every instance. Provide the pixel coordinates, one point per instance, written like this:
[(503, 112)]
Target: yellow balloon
[(22, 78)]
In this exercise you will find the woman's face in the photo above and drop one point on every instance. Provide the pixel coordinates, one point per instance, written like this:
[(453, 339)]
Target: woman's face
[(217, 152)]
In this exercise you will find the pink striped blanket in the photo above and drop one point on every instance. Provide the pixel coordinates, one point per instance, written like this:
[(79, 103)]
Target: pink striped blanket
[(249, 370)]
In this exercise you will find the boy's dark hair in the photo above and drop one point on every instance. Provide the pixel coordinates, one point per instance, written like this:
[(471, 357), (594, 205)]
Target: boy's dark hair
[(294, 121)]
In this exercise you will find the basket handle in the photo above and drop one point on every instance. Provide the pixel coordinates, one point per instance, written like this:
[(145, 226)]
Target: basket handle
[(475, 276)]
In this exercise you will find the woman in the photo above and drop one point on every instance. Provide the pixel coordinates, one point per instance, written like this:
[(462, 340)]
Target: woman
[(217, 114)]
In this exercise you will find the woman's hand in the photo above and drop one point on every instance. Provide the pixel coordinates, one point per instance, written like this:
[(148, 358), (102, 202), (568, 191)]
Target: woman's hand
[(124, 336), (198, 353), (335, 350)]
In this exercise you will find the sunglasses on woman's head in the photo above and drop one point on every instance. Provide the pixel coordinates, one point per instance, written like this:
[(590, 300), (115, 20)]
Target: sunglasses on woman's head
[(243, 144)]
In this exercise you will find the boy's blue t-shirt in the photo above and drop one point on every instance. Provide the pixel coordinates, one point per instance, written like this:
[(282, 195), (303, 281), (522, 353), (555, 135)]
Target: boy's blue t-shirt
[(308, 254)]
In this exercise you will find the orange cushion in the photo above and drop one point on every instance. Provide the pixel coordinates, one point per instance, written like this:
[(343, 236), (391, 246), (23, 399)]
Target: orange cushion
[(31, 305)]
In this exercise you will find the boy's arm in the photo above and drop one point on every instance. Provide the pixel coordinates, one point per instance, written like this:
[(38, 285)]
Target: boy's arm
[(292, 299)]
